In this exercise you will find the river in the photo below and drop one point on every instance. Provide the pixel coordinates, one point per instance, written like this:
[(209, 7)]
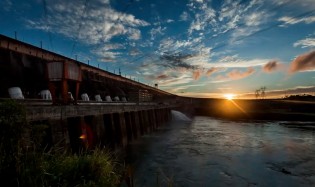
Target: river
[(215, 152)]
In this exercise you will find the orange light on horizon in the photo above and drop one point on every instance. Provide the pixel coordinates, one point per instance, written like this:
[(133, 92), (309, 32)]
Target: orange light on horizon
[(229, 96)]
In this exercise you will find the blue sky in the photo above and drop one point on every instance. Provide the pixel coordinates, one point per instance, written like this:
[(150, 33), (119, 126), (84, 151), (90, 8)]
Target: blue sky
[(189, 47)]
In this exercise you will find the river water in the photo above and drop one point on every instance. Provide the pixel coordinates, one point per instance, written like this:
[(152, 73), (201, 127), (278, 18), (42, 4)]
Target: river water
[(215, 152)]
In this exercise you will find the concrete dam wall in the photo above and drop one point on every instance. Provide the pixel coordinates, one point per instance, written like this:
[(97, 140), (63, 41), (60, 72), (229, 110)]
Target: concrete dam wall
[(105, 126)]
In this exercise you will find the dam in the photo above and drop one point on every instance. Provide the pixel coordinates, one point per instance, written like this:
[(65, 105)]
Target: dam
[(83, 106)]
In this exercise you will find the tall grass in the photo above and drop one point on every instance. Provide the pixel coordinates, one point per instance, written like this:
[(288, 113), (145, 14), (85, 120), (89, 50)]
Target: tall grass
[(31, 167)]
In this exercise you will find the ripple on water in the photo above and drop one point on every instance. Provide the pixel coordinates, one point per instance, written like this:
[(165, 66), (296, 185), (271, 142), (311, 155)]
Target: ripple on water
[(211, 152)]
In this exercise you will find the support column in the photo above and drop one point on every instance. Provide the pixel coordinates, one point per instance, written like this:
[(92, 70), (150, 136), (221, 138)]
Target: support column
[(120, 128), (130, 135), (64, 91), (141, 123), (95, 130), (99, 130), (135, 124), (152, 119), (110, 134), (157, 117), (76, 94), (147, 124), (52, 89)]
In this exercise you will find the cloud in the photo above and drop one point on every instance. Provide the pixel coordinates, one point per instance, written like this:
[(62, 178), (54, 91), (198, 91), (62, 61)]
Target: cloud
[(307, 42), (108, 52), (270, 66), (287, 20), (94, 23), (177, 60), (304, 62), (157, 31), (236, 74), (175, 81), (251, 23), (236, 62), (203, 19), (6, 5), (163, 76), (184, 16), (212, 70), (196, 74), (134, 52)]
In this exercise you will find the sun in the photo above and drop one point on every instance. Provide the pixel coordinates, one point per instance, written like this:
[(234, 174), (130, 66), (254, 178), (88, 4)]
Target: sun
[(229, 96)]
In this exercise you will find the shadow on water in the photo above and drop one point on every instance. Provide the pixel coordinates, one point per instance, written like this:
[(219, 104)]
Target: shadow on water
[(215, 152)]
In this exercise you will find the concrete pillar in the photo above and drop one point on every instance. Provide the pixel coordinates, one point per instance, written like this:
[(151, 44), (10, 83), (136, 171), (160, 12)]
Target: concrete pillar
[(163, 116), (147, 125), (157, 117), (153, 120), (141, 123), (135, 124), (128, 126), (99, 127), (120, 128), (95, 130), (110, 131), (59, 133)]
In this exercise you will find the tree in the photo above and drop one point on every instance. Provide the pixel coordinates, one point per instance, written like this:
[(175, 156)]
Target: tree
[(260, 93), (257, 93)]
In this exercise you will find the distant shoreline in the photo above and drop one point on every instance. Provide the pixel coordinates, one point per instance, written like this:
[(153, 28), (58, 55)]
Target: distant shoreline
[(266, 109)]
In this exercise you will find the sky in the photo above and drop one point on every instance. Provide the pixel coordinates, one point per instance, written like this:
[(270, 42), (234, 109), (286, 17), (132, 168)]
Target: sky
[(198, 48)]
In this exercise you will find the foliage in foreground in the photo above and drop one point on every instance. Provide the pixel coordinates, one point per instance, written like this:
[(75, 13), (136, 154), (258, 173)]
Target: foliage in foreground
[(22, 167), (95, 168)]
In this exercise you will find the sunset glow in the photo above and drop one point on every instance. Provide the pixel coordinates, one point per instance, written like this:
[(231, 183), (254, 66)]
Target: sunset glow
[(229, 96)]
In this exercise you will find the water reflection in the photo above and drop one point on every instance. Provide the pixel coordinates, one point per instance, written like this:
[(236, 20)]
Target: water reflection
[(212, 152)]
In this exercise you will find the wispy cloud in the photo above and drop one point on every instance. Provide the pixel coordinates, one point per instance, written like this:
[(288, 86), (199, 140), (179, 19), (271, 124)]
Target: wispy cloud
[(157, 31), (95, 23), (235, 74), (287, 20), (197, 74), (307, 42), (271, 66), (211, 71), (6, 5), (108, 52), (134, 52), (184, 16), (304, 62)]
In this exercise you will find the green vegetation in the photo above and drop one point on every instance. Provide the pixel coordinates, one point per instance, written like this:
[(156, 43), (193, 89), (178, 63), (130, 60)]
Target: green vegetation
[(22, 163)]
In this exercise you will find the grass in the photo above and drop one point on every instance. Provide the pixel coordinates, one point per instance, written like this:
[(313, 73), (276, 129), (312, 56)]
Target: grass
[(22, 165)]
